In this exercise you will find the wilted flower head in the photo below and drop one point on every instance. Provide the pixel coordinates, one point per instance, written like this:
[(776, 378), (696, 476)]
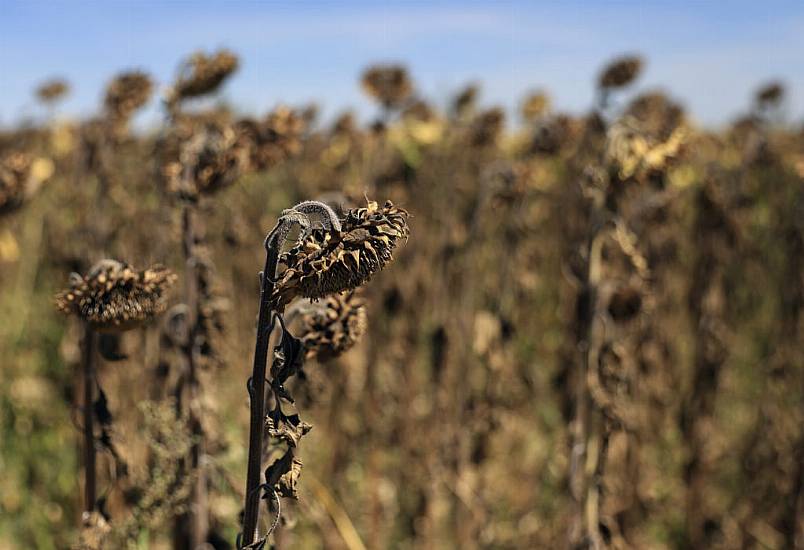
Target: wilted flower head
[(114, 297), (333, 326), (388, 84), (274, 139), (126, 93), (555, 133), (769, 94), (201, 159), (328, 261), (487, 127), (535, 106), (656, 113), (620, 72), (464, 103), (52, 90), (202, 74), (20, 177)]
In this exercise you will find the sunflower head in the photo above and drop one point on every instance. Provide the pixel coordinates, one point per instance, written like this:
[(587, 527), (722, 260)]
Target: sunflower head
[(52, 91), (620, 72), (202, 74), (388, 84), (113, 296), (330, 260), (126, 93), (333, 326)]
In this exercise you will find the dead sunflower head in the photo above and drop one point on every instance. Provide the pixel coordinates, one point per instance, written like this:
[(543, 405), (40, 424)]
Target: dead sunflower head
[(487, 127), (535, 106), (201, 159), (52, 90), (331, 260), (620, 72), (114, 297), (202, 74), (126, 93), (21, 175), (333, 326), (770, 94), (388, 84), (464, 103), (274, 139)]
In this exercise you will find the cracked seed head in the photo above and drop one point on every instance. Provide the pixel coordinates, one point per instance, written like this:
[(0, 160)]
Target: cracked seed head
[(327, 262), (114, 297)]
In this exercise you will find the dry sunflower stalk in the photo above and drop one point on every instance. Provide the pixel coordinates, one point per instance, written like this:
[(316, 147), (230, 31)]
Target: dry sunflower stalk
[(114, 297), (331, 255)]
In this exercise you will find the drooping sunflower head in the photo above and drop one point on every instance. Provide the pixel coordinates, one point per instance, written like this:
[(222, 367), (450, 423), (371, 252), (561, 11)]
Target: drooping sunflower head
[(389, 84), (620, 72), (52, 90), (126, 93), (332, 260), (202, 74), (333, 326), (113, 296)]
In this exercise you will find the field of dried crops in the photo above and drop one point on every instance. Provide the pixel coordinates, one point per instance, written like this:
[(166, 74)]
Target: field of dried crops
[(580, 331)]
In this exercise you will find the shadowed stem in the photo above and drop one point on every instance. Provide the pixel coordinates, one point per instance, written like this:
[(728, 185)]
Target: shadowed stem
[(257, 392), (88, 360), (193, 526)]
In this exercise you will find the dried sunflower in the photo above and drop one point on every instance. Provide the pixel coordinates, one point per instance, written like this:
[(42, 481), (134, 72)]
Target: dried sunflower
[(769, 94), (463, 104), (52, 90), (620, 72), (329, 261), (333, 326), (20, 177), (388, 84), (200, 160), (202, 74), (535, 106), (126, 93), (274, 139), (114, 297), (487, 127)]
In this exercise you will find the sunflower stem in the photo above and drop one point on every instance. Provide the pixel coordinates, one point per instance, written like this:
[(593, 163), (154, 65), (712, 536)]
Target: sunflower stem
[(88, 373), (257, 391)]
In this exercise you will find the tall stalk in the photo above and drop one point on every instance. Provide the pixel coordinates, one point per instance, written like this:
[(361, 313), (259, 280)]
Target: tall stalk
[(88, 362), (256, 388), (192, 527)]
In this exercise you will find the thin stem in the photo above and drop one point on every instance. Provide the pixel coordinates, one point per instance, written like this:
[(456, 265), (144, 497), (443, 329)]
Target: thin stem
[(88, 372), (257, 393)]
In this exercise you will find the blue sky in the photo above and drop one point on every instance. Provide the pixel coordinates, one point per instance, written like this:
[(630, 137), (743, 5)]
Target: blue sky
[(709, 54)]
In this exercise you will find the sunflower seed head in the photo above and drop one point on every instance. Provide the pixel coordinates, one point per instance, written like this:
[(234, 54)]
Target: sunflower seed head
[(113, 296)]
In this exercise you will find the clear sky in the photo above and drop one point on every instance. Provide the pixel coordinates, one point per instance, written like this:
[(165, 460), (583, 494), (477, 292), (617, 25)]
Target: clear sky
[(709, 54)]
